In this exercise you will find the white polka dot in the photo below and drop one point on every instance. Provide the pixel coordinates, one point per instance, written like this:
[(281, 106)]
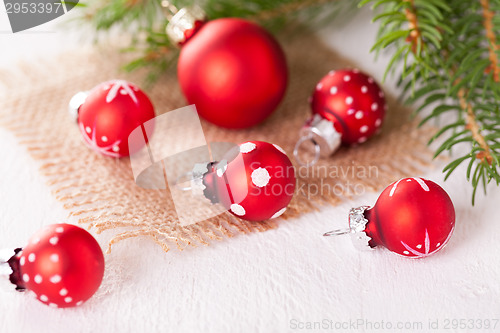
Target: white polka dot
[(44, 298), (79, 303), (350, 111), (54, 257), (333, 90), (349, 100), (68, 299), (278, 213), (54, 240), (363, 129), (26, 277), (359, 115), (31, 257), (123, 92), (38, 278), (437, 245), (116, 149), (362, 139), (55, 279), (59, 230), (364, 89), (381, 94), (406, 252), (347, 78), (408, 180), (238, 209), (374, 107), (63, 292), (104, 139), (378, 122), (53, 305), (260, 177), (331, 73), (88, 129), (419, 246), (370, 80), (319, 86), (247, 147), (280, 149), (22, 261)]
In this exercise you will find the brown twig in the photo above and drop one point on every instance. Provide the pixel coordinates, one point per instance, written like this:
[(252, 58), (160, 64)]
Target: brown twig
[(415, 36), (289, 8), (473, 127), (490, 34)]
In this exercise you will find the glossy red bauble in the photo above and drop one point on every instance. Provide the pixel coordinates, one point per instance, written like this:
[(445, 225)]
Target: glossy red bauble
[(413, 217), (352, 101), (111, 111), (234, 71), (62, 264), (255, 181)]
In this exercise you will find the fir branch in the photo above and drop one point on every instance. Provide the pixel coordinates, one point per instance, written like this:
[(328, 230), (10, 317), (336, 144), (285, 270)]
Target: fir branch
[(473, 126), (415, 37), (287, 8), (490, 34), (449, 57)]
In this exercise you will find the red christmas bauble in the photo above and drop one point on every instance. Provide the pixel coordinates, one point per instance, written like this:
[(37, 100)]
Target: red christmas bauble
[(413, 217), (111, 111), (255, 181), (62, 264), (352, 101), (234, 71)]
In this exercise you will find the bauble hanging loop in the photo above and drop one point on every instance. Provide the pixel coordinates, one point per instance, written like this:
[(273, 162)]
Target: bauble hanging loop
[(348, 107), (413, 217)]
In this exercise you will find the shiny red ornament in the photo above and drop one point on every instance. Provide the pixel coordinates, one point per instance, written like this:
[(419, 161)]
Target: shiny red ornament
[(62, 264), (413, 217), (109, 113), (348, 107), (233, 70), (255, 181)]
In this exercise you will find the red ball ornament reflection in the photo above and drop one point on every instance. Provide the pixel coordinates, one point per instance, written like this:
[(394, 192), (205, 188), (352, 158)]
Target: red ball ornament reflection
[(62, 264), (255, 181), (413, 217), (233, 70), (348, 108), (109, 113)]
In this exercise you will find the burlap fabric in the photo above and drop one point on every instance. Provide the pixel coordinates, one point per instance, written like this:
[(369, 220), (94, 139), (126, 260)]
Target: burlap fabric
[(102, 192)]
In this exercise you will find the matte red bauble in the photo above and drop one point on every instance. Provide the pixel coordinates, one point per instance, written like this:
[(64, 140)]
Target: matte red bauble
[(63, 265), (233, 70), (109, 113), (255, 181), (413, 217)]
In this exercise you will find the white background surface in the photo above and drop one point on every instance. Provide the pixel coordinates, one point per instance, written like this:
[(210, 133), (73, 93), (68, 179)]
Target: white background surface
[(260, 282)]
